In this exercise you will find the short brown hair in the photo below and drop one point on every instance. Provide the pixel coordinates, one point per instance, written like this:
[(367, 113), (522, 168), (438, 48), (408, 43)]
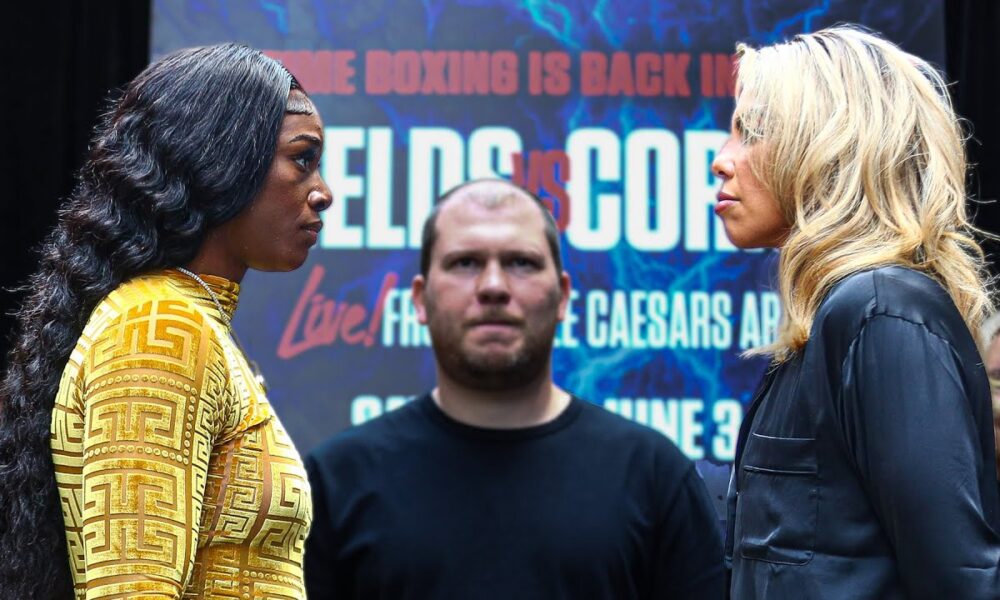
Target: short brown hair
[(429, 236)]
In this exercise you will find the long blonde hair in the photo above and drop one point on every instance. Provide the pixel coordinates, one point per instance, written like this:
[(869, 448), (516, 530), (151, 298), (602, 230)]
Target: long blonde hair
[(858, 142)]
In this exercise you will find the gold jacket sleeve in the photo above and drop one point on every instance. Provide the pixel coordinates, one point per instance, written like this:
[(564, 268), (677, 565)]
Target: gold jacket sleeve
[(150, 421)]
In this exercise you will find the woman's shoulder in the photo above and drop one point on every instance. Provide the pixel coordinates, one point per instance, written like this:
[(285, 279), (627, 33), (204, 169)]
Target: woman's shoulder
[(890, 291), (143, 289), (145, 299)]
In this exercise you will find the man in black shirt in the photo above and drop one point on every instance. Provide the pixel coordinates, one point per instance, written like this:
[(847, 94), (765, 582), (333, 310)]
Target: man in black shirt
[(497, 483)]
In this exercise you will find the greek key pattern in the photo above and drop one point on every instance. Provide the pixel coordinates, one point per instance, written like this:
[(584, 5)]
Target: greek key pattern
[(175, 482)]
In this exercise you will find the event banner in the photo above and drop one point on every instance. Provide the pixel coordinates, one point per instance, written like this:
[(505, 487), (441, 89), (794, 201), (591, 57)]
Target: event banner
[(611, 111)]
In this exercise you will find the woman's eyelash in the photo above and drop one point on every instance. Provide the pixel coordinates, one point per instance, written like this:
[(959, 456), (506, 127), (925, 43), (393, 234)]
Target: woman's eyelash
[(306, 158)]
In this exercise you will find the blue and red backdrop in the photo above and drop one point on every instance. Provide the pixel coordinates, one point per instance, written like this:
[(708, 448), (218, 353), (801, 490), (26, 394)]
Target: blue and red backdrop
[(611, 111)]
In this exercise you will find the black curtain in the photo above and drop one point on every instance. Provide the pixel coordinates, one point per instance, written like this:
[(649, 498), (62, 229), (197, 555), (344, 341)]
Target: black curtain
[(63, 58), (973, 51)]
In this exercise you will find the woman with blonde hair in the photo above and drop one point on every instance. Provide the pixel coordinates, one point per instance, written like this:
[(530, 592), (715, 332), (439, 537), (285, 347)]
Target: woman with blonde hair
[(864, 468)]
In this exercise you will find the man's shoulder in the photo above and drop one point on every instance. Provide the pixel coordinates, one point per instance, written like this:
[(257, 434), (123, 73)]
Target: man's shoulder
[(651, 457), (378, 435), (614, 432)]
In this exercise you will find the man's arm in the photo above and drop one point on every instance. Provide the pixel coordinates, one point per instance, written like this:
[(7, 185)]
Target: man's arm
[(320, 556), (688, 559)]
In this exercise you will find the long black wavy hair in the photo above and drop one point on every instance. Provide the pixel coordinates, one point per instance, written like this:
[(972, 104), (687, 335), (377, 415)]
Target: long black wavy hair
[(185, 147)]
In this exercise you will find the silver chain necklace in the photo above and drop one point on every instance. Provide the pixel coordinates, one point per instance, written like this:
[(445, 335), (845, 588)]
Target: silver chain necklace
[(254, 367)]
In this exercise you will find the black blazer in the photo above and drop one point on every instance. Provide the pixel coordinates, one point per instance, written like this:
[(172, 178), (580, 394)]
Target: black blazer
[(865, 465)]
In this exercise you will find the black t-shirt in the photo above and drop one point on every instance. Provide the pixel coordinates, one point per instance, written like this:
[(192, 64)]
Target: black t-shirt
[(590, 505)]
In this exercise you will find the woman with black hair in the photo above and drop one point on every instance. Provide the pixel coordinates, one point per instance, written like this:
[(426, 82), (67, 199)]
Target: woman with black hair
[(135, 438)]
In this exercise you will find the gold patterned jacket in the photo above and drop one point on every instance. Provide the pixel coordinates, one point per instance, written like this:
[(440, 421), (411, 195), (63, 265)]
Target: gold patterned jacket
[(176, 478)]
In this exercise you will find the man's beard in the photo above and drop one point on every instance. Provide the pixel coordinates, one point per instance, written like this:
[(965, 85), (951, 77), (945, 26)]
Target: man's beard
[(494, 371)]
